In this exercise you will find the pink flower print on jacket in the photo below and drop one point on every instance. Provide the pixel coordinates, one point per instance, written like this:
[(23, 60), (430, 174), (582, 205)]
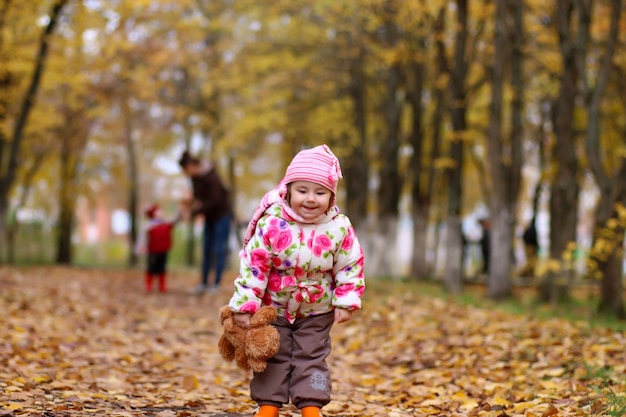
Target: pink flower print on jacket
[(276, 226), (348, 240), (299, 272), (300, 269), (275, 282), (288, 281), (309, 243), (259, 259), (258, 292), (249, 307), (282, 242), (267, 299), (344, 290), (322, 244), (308, 293), (319, 244)]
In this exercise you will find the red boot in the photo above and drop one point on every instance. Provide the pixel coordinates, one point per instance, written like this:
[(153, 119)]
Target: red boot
[(148, 282), (162, 285)]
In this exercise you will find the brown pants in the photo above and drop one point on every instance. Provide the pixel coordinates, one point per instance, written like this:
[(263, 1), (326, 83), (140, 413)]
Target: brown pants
[(299, 370)]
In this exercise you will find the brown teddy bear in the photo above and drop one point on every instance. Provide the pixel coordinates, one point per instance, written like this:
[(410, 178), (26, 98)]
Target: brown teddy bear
[(251, 347)]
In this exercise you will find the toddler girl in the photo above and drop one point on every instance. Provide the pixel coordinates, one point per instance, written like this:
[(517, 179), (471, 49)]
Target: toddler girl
[(301, 256)]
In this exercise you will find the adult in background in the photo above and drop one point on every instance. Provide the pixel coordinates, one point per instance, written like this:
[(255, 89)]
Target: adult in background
[(531, 249), (485, 243), (211, 199), (531, 238)]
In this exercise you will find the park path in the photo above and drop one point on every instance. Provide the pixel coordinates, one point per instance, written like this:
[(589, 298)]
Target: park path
[(85, 342)]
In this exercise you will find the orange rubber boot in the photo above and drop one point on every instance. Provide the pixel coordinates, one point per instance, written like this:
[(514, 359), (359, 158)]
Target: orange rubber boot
[(311, 412), (267, 411)]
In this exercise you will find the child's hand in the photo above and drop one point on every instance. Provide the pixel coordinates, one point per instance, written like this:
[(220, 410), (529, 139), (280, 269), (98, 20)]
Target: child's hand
[(184, 214), (184, 208), (242, 320), (342, 315), (196, 205)]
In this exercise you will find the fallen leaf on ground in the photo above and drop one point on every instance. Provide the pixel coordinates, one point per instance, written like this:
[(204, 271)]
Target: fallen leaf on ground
[(77, 342)]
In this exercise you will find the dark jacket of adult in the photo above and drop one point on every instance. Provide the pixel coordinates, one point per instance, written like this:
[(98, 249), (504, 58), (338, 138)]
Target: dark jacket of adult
[(212, 196), (530, 236)]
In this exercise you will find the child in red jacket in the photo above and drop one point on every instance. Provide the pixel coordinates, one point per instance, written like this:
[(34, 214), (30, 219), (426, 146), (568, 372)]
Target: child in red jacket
[(156, 243)]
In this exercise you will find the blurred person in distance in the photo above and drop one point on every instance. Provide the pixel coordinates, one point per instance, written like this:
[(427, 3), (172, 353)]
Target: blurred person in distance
[(211, 200)]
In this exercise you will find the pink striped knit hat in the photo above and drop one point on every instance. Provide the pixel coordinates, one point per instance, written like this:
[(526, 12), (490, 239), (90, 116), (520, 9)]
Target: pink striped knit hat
[(318, 165)]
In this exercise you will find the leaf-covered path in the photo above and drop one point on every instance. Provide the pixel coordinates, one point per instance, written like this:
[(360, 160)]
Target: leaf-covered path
[(90, 342)]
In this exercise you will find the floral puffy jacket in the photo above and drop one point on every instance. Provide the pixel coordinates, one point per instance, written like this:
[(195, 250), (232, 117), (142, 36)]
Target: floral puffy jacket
[(301, 269)]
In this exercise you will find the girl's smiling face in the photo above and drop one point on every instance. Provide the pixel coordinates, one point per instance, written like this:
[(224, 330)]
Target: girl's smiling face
[(308, 199)]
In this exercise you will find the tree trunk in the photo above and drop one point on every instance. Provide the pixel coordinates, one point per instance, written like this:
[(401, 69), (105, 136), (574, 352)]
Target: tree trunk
[(498, 284), (453, 274), (13, 228), (390, 187), (8, 167), (515, 152), (389, 192), (73, 136), (133, 183), (420, 177), (501, 240), (420, 268), (607, 238), (606, 254), (6, 83), (433, 196), (504, 156), (64, 228), (611, 300), (380, 259), (564, 187), (606, 259), (4, 205), (25, 189), (67, 198), (356, 166)]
